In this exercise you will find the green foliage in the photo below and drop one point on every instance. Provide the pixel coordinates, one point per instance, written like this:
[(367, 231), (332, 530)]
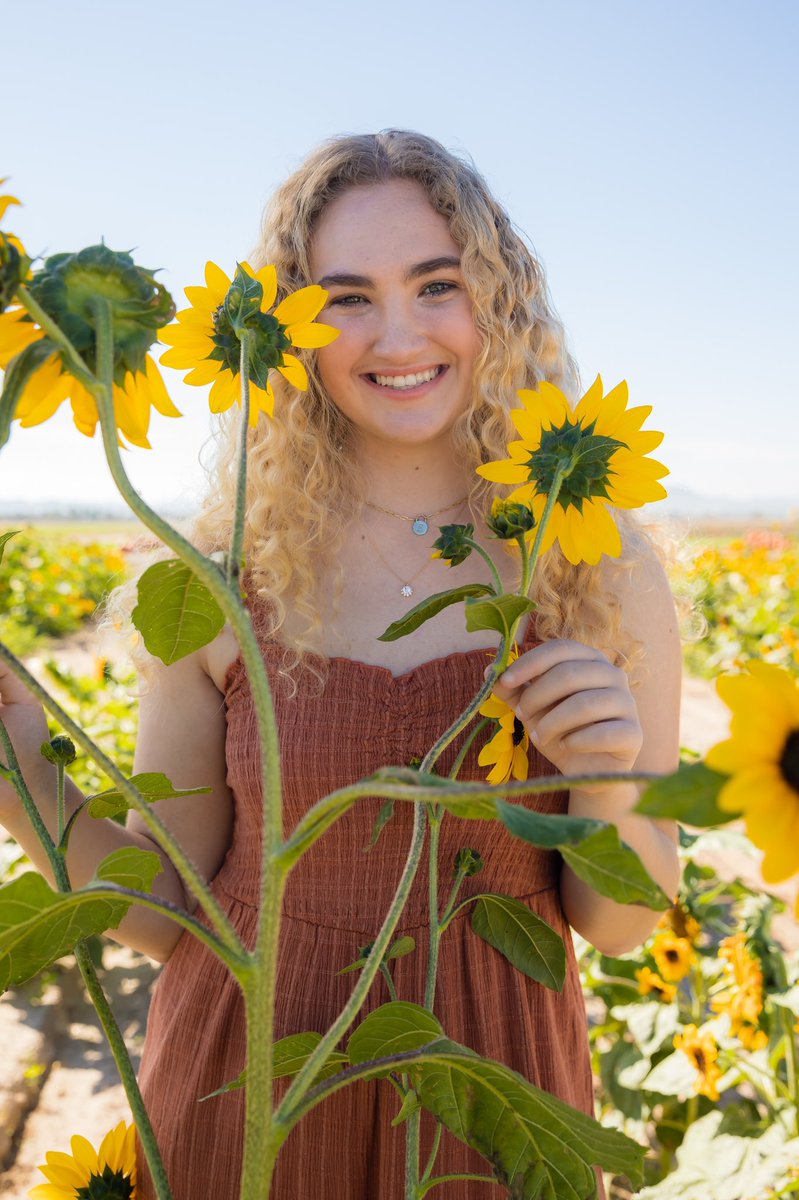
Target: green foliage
[(151, 786), (523, 937), (539, 1147), (497, 613), (39, 926), (176, 613), (431, 607), (690, 794), (51, 585), (290, 1056)]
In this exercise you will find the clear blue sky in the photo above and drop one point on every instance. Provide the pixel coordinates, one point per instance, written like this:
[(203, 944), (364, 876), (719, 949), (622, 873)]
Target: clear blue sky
[(646, 149)]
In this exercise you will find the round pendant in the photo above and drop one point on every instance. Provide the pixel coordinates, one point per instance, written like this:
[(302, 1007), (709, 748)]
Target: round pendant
[(406, 590), (420, 526)]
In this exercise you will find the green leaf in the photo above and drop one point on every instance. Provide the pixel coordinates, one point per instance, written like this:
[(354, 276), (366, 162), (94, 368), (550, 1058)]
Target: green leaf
[(431, 607), (523, 937), (6, 537), (290, 1055), (498, 613), (398, 949), (539, 1147), (18, 372), (151, 785), (39, 926), (176, 614), (383, 818), (690, 796), (410, 1104), (592, 849)]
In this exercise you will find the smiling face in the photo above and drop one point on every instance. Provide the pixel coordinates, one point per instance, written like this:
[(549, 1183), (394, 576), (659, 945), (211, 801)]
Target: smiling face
[(403, 366)]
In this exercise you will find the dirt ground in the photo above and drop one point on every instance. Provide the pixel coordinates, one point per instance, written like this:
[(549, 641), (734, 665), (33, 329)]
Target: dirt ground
[(77, 1090)]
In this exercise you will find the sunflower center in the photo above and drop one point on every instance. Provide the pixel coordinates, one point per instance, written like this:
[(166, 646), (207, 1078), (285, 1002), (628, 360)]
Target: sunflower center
[(585, 455), (700, 1060), (789, 762), (111, 1185), (518, 732), (268, 339)]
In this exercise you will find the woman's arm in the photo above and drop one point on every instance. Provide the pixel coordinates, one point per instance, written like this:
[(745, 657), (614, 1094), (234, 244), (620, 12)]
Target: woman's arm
[(182, 734), (586, 716)]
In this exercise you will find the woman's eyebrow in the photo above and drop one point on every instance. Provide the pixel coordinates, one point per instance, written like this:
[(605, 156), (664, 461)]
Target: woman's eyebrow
[(348, 279)]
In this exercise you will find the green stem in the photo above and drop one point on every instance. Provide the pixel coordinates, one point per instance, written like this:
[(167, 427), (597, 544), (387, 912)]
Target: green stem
[(60, 804), (500, 586), (791, 1062), (449, 735), (290, 1108), (467, 745), (126, 1072), (433, 1152), (431, 1183), (29, 804), (412, 1148), (78, 367), (236, 552), (432, 892), (560, 475), (384, 971), (449, 917)]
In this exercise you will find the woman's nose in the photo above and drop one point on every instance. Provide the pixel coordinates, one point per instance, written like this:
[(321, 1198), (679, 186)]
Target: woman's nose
[(399, 331)]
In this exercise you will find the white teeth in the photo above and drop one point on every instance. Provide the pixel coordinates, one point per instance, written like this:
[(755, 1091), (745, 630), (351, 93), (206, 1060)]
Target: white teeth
[(406, 381)]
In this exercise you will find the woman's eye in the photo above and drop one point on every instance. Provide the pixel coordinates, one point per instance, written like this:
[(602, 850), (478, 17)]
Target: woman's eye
[(348, 301), (438, 288)]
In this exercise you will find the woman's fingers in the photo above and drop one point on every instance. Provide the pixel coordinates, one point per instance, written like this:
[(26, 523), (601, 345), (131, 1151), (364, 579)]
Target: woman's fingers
[(577, 712), (544, 658)]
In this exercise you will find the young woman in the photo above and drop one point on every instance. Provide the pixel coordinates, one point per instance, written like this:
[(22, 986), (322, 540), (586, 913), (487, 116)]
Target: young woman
[(443, 314)]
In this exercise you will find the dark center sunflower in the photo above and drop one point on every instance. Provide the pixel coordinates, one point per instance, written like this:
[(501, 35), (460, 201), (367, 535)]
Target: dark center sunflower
[(586, 456), (111, 1185), (699, 1058), (673, 956), (789, 761), (518, 732)]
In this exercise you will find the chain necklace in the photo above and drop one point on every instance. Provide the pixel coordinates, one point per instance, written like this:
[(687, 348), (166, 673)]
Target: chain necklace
[(420, 524), (407, 584)]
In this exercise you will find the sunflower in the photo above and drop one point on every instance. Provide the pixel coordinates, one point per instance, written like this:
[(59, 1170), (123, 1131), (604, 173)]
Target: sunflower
[(680, 922), (509, 747), (604, 451), (109, 1172), (650, 981), (762, 759), (14, 262), (205, 338), (6, 201), (702, 1050), (742, 997), (674, 956), (66, 288)]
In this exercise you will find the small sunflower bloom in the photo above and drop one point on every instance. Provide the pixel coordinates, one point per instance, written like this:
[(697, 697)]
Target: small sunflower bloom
[(742, 997), (703, 1051), (650, 983), (205, 338), (674, 956), (109, 1172), (507, 753), (761, 758), (604, 451), (452, 544), (680, 922)]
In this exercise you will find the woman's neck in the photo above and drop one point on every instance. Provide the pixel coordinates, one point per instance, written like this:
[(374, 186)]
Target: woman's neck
[(413, 479)]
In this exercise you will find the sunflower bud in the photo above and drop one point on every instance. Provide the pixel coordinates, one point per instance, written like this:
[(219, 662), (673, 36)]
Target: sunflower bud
[(468, 863), (509, 519), (68, 286), (14, 267), (60, 750), (453, 545)]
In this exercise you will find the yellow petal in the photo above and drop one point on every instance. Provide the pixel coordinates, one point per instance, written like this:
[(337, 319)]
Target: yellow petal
[(267, 277), (301, 306), (216, 281), (592, 405), (261, 400), (293, 370), (84, 1154), (224, 393), (311, 335), (203, 374), (152, 384), (504, 471)]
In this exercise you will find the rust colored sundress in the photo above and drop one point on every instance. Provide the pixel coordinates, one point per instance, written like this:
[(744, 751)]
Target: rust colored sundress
[(335, 901)]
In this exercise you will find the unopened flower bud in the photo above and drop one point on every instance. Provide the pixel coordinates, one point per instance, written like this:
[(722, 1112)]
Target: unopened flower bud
[(453, 544), (468, 862), (510, 519), (60, 750)]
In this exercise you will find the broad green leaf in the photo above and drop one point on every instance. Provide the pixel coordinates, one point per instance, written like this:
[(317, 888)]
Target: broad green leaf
[(690, 795), (39, 926), (176, 614), (523, 937), (593, 850), (539, 1147), (431, 607), (290, 1054), (151, 785), (18, 372), (498, 613), (5, 538)]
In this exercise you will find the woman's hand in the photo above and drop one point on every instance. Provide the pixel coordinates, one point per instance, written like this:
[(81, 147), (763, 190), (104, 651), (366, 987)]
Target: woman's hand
[(577, 708), (24, 719)]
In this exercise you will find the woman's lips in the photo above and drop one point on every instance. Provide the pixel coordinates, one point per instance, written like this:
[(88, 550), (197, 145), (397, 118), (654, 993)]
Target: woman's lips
[(399, 392)]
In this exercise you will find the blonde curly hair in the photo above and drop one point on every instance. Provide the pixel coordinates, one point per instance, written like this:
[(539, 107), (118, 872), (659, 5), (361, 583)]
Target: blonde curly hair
[(304, 487)]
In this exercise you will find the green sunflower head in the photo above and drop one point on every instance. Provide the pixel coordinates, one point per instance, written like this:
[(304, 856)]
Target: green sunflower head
[(583, 454), (68, 286), (509, 519), (453, 544), (60, 750), (14, 267), (468, 862), (241, 312)]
